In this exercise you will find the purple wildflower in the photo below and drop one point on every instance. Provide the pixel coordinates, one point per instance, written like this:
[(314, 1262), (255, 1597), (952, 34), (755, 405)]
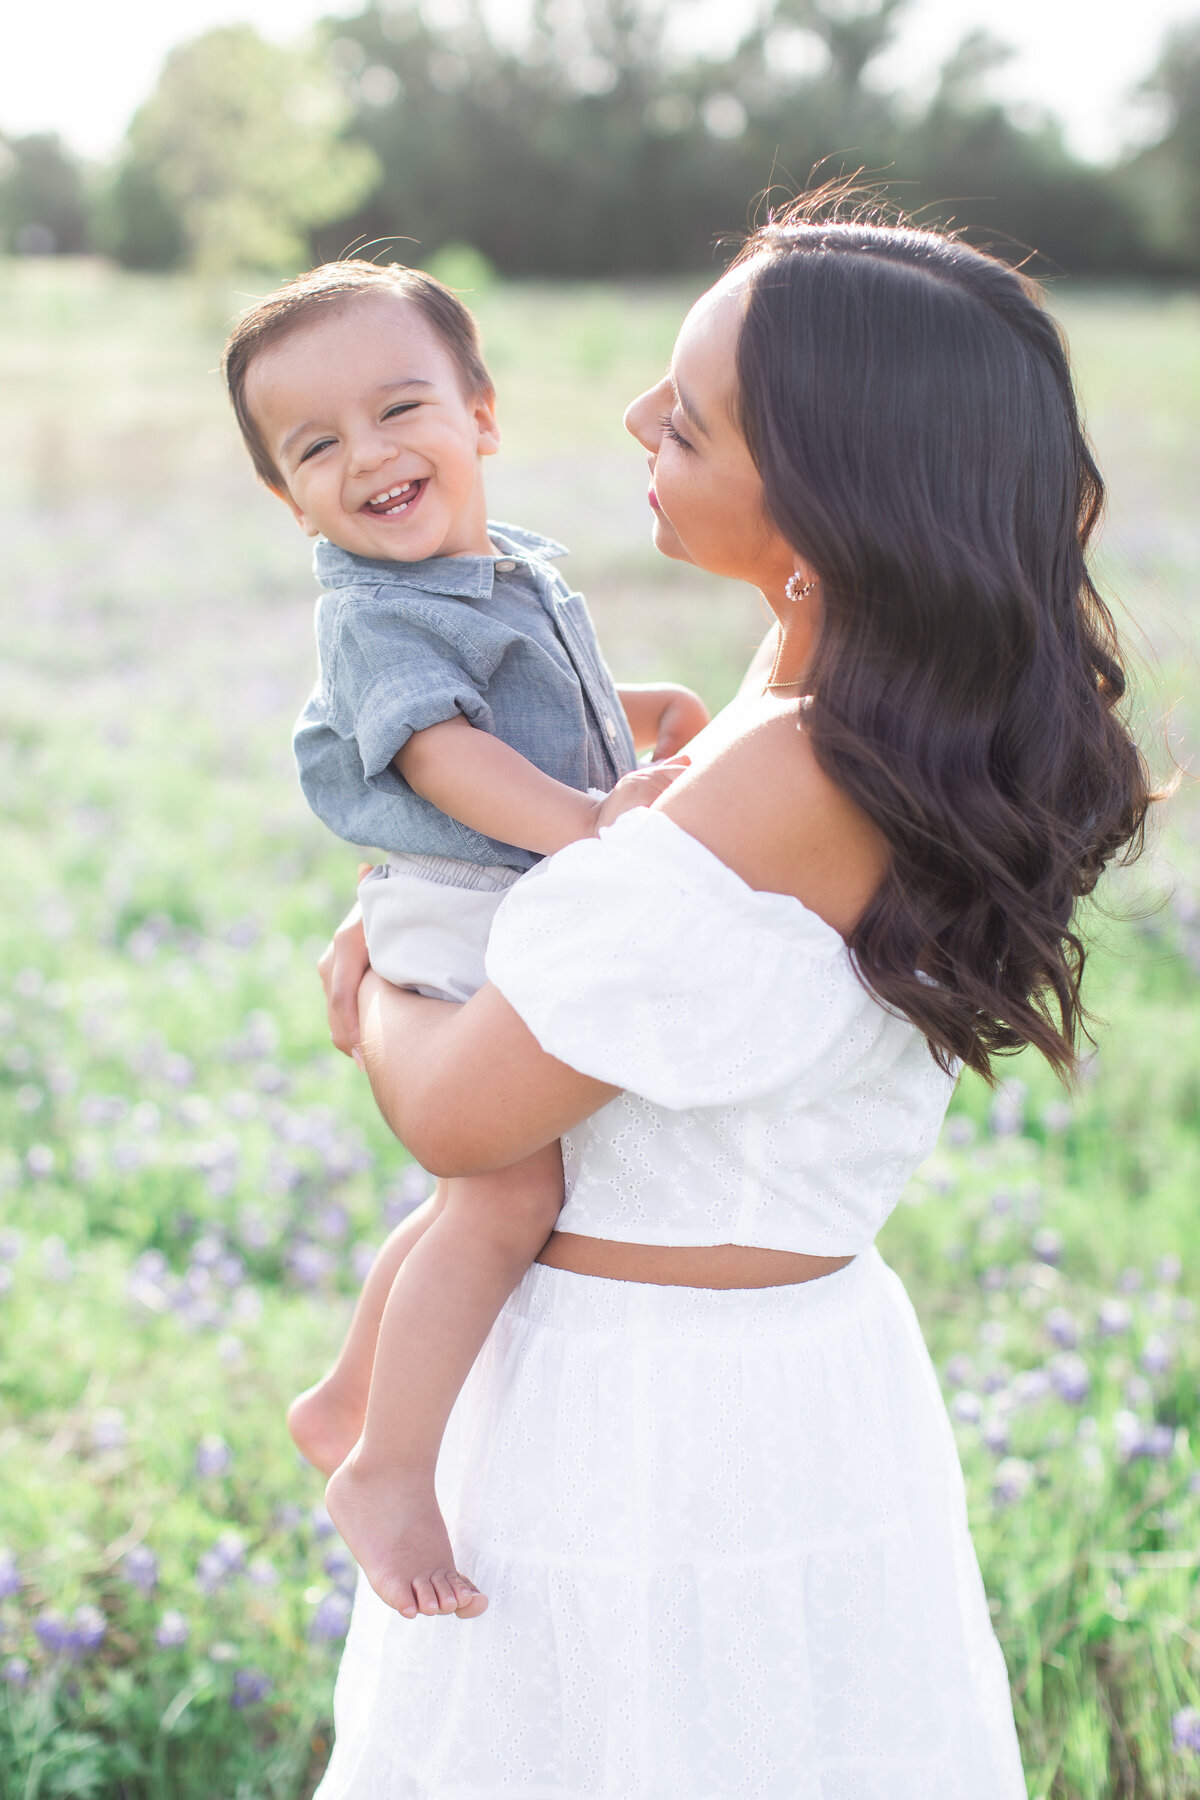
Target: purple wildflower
[(10, 1575), (88, 1626), (249, 1687), (211, 1572), (1113, 1318), (1168, 1268), (213, 1456), (16, 1672), (1157, 1356), (262, 1572), (1062, 1327), (1185, 1729), (1047, 1245), (51, 1630), (330, 1621), (1069, 1374), (995, 1434), (1012, 1481), (39, 1160), (231, 1548), (173, 1630), (341, 1566), (1129, 1281), (141, 1568), (108, 1429), (966, 1407), (323, 1526), (1031, 1385)]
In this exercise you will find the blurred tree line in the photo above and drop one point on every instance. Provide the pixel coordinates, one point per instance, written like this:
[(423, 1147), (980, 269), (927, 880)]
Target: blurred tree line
[(599, 147)]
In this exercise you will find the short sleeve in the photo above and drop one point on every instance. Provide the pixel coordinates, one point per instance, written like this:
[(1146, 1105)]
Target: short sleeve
[(398, 666), (642, 960)]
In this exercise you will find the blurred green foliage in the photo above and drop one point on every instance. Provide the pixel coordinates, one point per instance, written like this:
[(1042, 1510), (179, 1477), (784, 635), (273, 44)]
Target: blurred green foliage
[(596, 147)]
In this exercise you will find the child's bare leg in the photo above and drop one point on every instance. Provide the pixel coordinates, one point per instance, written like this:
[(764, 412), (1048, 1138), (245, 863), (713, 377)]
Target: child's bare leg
[(326, 1420), (443, 1303)]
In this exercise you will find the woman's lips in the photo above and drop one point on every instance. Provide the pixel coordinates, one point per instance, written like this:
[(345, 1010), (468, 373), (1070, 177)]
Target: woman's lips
[(653, 499)]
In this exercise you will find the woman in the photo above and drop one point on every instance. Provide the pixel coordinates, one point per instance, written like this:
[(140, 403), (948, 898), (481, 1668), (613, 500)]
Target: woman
[(702, 1467)]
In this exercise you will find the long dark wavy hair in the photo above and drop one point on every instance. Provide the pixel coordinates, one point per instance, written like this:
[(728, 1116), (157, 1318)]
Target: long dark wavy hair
[(908, 403)]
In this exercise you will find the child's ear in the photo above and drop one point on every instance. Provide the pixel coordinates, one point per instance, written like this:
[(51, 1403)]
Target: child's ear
[(486, 423), (300, 517)]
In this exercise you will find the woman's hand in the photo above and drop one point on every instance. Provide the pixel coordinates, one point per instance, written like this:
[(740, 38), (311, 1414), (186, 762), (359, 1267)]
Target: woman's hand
[(342, 966)]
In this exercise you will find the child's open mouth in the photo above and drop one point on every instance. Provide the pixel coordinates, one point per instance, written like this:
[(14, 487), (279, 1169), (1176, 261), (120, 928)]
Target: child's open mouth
[(395, 500)]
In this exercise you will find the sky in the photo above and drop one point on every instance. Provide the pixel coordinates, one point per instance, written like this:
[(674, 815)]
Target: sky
[(81, 69)]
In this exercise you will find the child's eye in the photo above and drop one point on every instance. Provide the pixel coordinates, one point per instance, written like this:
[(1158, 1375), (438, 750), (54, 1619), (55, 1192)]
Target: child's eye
[(315, 449), (403, 406), (664, 424)]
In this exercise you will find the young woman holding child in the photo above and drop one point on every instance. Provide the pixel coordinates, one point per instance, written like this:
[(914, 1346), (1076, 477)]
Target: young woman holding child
[(701, 1467)]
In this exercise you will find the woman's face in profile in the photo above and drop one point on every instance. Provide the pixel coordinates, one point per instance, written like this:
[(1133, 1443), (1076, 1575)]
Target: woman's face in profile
[(705, 491)]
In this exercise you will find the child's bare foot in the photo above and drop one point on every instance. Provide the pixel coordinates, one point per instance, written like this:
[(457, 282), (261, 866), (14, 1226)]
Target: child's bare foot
[(393, 1528), (324, 1424)]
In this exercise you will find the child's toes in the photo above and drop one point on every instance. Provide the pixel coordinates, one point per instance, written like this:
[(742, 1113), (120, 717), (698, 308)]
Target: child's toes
[(426, 1598), (447, 1599), (470, 1601)]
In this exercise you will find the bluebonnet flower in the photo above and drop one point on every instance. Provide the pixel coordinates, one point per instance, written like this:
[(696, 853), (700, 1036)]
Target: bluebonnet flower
[(1113, 1318), (1185, 1729), (1129, 1281), (212, 1572), (323, 1526), (56, 1259), (340, 1565), (959, 1132), (1047, 1245), (1157, 1356), (330, 1621), (1069, 1374), (362, 1260), (213, 1456), (960, 1371), (1031, 1385), (16, 1671), (88, 1626), (966, 1407), (250, 1686), (1168, 1269), (10, 1575), (309, 1264), (141, 1568), (995, 1434), (288, 1516), (108, 1429), (51, 1630), (1012, 1480), (262, 1572), (1062, 1327), (173, 1630), (178, 1070), (1056, 1116), (1006, 1114), (230, 1547)]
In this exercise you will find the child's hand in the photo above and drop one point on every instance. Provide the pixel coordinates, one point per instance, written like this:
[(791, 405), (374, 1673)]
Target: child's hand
[(683, 715), (641, 787)]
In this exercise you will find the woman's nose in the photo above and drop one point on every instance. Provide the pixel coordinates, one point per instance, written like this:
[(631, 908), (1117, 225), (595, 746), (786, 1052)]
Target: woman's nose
[(641, 419)]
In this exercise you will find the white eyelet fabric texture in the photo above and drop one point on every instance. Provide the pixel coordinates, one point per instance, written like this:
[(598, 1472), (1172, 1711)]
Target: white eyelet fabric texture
[(723, 1534), (768, 1098), (725, 1543)]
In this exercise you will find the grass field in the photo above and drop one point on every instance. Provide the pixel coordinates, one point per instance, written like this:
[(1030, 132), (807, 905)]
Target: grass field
[(191, 1181)]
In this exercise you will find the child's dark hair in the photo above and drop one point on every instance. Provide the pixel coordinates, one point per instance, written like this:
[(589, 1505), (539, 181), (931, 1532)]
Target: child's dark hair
[(908, 403), (317, 294)]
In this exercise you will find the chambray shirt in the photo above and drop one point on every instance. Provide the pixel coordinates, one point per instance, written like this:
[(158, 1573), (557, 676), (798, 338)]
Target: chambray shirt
[(501, 639)]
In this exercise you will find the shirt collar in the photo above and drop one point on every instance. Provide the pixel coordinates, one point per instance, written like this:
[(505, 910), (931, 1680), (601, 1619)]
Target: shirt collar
[(453, 577)]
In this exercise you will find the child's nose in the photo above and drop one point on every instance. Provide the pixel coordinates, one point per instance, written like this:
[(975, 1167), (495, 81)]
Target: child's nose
[(372, 450)]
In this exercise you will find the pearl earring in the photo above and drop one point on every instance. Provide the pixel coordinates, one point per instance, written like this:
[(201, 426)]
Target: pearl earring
[(797, 587)]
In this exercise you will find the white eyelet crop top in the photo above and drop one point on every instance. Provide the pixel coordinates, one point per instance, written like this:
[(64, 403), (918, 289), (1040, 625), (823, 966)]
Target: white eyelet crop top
[(767, 1099)]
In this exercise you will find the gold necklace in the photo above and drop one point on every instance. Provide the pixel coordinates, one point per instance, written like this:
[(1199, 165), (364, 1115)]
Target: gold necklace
[(799, 682)]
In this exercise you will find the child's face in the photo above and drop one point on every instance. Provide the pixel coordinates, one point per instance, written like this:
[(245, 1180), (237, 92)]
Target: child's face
[(365, 417)]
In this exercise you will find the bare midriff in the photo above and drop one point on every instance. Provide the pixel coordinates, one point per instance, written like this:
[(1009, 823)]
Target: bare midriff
[(692, 1265)]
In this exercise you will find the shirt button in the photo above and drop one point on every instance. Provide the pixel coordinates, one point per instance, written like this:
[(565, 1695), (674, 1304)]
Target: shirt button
[(505, 566), (610, 727)]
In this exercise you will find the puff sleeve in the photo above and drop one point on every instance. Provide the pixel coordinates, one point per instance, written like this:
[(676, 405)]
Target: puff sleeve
[(640, 959)]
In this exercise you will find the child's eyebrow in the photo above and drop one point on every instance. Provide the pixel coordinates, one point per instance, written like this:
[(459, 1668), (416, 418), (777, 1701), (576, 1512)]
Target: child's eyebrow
[(686, 406)]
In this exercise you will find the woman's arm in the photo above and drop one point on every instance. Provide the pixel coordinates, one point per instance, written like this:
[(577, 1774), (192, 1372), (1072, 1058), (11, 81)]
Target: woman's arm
[(466, 1088)]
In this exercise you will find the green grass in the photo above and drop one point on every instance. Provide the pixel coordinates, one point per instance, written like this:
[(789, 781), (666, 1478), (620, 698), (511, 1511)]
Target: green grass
[(167, 1091)]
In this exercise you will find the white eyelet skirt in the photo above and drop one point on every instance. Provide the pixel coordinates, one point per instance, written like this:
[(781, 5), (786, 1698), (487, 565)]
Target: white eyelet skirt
[(725, 1542)]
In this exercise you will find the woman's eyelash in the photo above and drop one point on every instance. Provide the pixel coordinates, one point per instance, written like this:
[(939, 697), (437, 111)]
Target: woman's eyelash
[(665, 425)]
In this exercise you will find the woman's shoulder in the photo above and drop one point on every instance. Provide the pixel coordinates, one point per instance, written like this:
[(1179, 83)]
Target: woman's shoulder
[(757, 798)]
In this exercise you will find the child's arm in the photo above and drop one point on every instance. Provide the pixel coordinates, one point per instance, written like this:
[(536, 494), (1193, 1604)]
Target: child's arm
[(487, 785), (662, 718)]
